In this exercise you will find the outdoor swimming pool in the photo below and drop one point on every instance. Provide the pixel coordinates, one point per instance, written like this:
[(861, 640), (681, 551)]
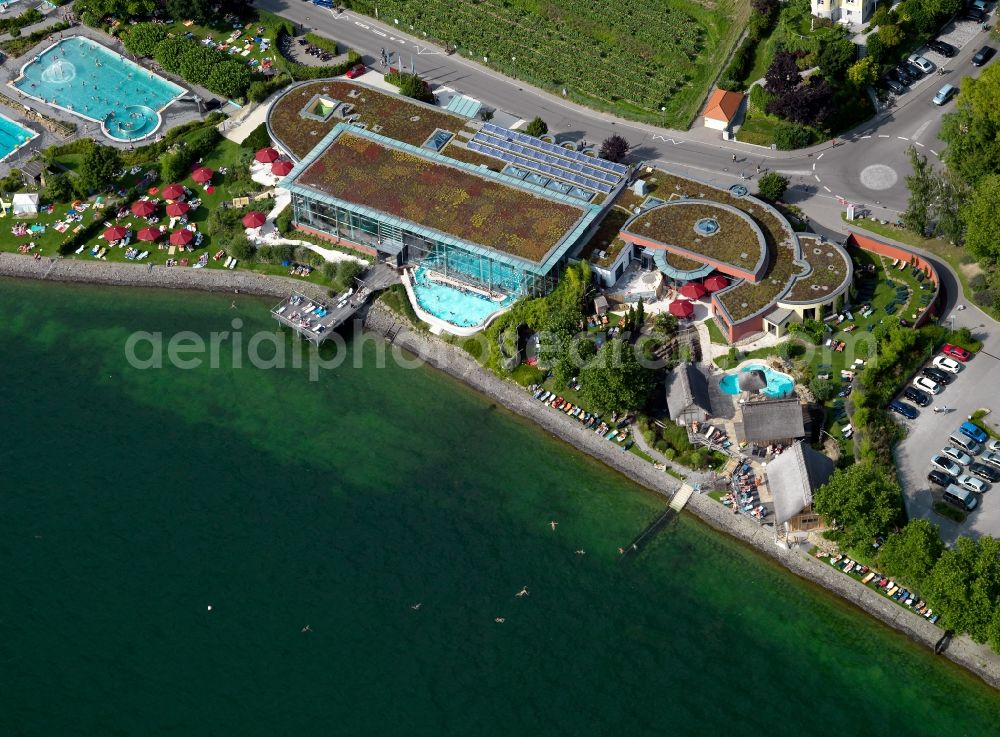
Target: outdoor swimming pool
[(778, 383), (12, 136), (91, 81), (461, 308)]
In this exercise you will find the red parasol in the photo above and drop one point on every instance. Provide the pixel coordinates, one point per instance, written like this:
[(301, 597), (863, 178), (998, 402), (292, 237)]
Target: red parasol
[(115, 234), (281, 167), (172, 191), (267, 155), (681, 308), (143, 208), (181, 237), (202, 174), (148, 234), (176, 209), (254, 219), (693, 290), (716, 283)]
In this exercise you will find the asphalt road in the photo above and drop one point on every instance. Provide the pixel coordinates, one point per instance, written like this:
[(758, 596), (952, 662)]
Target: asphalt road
[(867, 167)]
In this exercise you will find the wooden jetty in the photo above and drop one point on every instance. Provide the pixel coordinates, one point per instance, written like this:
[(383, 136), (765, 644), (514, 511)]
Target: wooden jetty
[(316, 320)]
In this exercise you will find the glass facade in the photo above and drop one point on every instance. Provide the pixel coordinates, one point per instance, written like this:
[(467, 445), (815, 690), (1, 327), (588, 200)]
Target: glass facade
[(389, 237)]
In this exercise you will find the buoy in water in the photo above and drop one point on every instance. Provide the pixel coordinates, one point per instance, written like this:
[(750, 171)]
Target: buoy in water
[(209, 607)]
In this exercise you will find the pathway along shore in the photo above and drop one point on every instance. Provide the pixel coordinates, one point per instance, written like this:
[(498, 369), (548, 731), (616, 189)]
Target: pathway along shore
[(978, 659)]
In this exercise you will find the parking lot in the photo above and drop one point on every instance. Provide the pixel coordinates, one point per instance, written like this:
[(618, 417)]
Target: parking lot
[(976, 387)]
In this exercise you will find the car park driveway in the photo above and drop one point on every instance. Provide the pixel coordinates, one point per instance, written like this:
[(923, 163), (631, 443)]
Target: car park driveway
[(976, 387)]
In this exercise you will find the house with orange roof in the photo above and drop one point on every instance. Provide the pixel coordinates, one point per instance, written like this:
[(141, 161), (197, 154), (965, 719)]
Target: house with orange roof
[(722, 108)]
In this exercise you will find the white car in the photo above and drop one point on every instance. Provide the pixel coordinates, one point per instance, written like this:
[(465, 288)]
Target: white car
[(993, 458), (927, 385), (957, 455), (993, 445), (925, 66), (973, 484), (949, 467), (947, 364)]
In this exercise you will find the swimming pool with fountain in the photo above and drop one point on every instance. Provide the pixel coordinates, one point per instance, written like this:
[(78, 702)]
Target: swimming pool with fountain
[(84, 78)]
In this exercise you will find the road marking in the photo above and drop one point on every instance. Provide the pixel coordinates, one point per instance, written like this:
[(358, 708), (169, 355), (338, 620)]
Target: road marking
[(379, 33), (363, 25), (866, 136), (934, 152), (826, 188), (665, 139), (814, 166), (920, 131), (883, 135), (901, 138), (820, 157), (817, 178), (918, 143)]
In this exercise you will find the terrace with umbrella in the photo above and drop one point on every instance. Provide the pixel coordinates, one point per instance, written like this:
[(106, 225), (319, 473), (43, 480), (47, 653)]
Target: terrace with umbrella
[(177, 209), (254, 219), (282, 167), (181, 237), (149, 234), (681, 308), (143, 208), (202, 175), (267, 155), (115, 233), (172, 192)]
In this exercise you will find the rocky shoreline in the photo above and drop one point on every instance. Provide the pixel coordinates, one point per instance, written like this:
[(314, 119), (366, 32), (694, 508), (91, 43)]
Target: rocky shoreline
[(152, 275), (979, 659)]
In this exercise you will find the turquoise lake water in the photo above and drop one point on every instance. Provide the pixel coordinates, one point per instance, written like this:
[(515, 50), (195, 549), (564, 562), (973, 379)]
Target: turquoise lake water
[(134, 499)]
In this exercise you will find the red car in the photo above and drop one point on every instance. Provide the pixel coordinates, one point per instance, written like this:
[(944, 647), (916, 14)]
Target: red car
[(356, 71), (956, 352)]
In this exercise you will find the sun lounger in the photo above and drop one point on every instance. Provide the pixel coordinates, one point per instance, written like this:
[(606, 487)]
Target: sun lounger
[(233, 264)]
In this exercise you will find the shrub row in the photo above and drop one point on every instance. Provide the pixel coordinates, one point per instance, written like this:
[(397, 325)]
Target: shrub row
[(735, 76)]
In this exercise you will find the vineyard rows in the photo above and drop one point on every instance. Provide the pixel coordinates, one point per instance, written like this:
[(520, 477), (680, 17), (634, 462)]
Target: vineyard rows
[(640, 52)]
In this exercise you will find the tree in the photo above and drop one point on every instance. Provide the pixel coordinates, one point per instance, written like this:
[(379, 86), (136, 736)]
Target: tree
[(950, 588), (537, 127), (410, 85), (810, 103), (982, 226), (972, 132), (836, 56), (229, 79), (766, 8), (666, 324), (917, 213), (196, 63), (579, 352), (949, 194), (890, 35), (772, 186), (911, 553), (789, 136), (863, 72), (241, 248), (823, 389), (877, 51), (614, 148), (58, 188), (258, 138), (197, 10), (347, 273), (861, 501), (142, 38), (98, 168), (783, 74), (168, 53), (615, 381)]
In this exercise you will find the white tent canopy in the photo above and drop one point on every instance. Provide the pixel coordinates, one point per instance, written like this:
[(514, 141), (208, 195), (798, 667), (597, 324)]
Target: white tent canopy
[(25, 203)]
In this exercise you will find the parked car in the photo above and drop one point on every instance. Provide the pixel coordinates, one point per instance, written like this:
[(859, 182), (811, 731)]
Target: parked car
[(902, 408), (940, 478), (941, 463), (960, 497), (981, 4), (921, 63), (975, 14), (905, 74), (356, 71), (944, 94), (927, 385), (993, 458), (945, 49), (916, 72), (973, 484), (916, 396), (957, 455), (956, 352), (975, 432), (894, 86), (982, 56), (947, 364), (985, 472), (994, 446), (941, 377)]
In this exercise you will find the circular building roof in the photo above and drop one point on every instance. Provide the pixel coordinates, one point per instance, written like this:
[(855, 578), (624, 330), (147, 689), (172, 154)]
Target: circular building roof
[(708, 232)]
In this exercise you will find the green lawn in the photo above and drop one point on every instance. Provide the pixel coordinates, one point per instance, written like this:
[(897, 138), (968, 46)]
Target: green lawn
[(715, 332), (219, 30)]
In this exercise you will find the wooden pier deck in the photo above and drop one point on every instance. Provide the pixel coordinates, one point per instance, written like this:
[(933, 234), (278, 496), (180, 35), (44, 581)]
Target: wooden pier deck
[(299, 312)]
